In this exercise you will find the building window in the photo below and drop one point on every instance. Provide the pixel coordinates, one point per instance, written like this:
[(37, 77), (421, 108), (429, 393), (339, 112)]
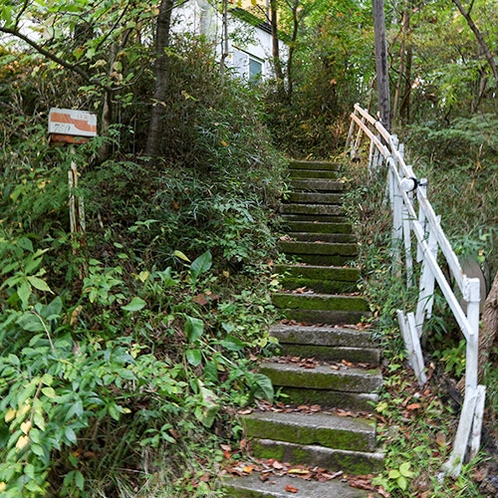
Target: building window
[(255, 69), (248, 67)]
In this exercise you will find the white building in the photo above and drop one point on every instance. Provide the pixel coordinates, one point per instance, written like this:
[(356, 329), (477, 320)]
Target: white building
[(249, 38)]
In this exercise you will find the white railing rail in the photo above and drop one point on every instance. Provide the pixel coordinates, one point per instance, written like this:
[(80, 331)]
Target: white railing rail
[(422, 226)]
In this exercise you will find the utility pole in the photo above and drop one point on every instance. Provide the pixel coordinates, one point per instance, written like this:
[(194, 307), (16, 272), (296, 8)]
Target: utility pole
[(381, 63)]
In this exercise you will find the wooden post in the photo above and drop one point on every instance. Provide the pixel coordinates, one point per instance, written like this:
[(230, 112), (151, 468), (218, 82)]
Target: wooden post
[(381, 63), (426, 286)]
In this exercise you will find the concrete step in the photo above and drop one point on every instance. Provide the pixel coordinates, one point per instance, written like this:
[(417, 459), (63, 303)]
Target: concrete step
[(314, 197), (317, 185), (313, 173), (319, 227), (312, 209), (312, 165), (338, 238), (321, 279), (320, 253), (326, 343), (252, 486), (352, 462), (323, 377), (313, 218), (348, 389), (326, 302), (324, 429)]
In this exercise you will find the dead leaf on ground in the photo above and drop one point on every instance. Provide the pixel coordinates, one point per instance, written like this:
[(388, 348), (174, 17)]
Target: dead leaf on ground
[(291, 489)]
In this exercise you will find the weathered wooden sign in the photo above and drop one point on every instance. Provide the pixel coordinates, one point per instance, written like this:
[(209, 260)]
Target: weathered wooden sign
[(71, 126)]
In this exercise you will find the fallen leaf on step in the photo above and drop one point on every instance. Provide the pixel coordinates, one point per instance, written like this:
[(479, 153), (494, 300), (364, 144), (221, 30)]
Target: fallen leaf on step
[(298, 471), (291, 489)]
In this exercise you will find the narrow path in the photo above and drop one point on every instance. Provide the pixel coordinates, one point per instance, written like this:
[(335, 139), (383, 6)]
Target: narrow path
[(327, 367)]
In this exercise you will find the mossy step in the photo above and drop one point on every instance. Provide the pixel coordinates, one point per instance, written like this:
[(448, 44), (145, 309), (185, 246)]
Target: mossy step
[(319, 227), (313, 218), (323, 377), (325, 317), (334, 238), (343, 274), (326, 343), (324, 429), (317, 185), (314, 198), (329, 353), (312, 209), (322, 279), (318, 247), (327, 165), (338, 238), (361, 402), (351, 462), (252, 486), (326, 302), (323, 336), (313, 173)]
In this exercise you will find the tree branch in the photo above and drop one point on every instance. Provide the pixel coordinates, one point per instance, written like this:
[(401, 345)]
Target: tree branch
[(53, 57), (480, 39)]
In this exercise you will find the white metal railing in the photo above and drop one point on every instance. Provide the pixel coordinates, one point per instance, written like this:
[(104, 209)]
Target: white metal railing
[(406, 192)]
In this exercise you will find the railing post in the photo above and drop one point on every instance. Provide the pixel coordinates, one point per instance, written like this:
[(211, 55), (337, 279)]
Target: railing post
[(471, 365), (426, 285), (350, 134), (397, 212)]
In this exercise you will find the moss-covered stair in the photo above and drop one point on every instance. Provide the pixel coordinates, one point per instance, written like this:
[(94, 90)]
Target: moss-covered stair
[(328, 365)]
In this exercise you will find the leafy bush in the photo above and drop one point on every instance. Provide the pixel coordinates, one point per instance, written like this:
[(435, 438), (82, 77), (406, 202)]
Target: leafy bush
[(130, 345)]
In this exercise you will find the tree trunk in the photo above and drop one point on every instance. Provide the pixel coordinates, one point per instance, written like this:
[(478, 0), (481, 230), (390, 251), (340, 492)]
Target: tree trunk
[(292, 46), (489, 326), (403, 84), (480, 39), (224, 42), (277, 63), (404, 109), (381, 63), (156, 125)]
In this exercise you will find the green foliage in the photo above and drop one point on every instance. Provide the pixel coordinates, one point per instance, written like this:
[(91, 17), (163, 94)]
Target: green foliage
[(132, 345), (330, 72)]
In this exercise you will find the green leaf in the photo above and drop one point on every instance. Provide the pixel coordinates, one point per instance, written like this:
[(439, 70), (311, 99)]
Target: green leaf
[(394, 474), (39, 283), (25, 244), (402, 483), (232, 343), (194, 329), (79, 480), (49, 392), (136, 304), (194, 357), (404, 469), (53, 309), (24, 292), (179, 254), (37, 450), (70, 435), (262, 387), (201, 264), (30, 322)]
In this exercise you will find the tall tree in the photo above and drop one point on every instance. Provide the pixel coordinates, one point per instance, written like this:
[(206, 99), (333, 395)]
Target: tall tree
[(381, 63), (277, 63), (156, 125)]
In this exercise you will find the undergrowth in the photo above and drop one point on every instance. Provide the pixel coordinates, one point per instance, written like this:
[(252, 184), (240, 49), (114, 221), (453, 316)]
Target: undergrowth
[(128, 346), (417, 424)]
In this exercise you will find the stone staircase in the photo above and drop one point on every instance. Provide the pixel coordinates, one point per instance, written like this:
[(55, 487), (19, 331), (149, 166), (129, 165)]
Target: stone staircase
[(328, 367)]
